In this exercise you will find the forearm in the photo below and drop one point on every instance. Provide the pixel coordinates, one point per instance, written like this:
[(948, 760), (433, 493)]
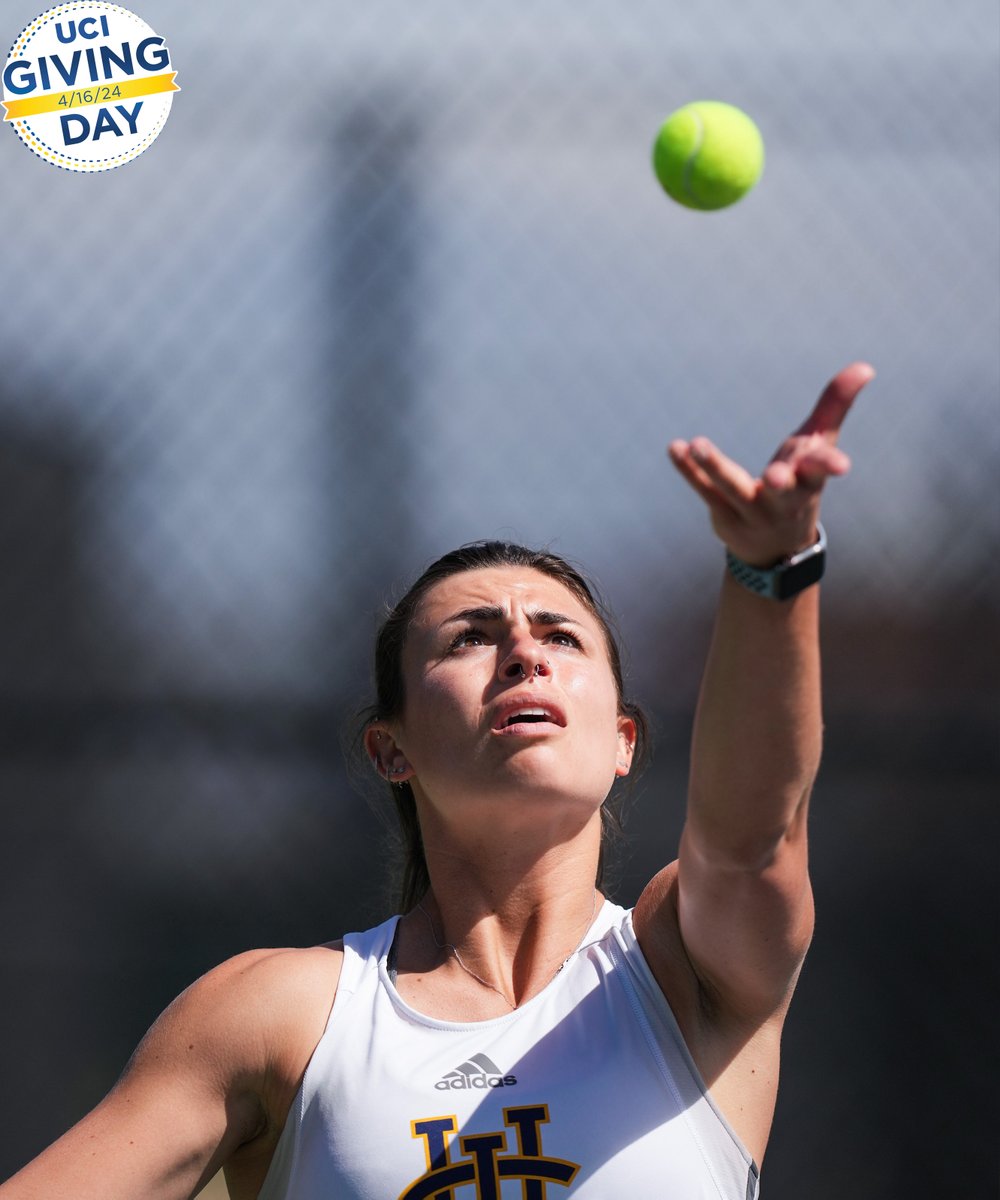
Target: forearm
[(758, 726)]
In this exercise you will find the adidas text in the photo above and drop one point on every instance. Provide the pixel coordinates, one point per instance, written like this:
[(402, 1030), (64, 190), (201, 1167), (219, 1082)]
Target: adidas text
[(481, 1082)]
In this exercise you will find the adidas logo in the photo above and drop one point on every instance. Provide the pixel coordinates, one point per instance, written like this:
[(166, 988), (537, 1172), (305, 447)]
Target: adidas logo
[(479, 1072)]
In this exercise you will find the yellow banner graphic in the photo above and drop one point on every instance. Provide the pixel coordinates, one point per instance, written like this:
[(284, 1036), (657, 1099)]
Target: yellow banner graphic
[(97, 93)]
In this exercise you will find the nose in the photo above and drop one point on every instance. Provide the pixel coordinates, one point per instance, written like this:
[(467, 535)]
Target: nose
[(525, 660)]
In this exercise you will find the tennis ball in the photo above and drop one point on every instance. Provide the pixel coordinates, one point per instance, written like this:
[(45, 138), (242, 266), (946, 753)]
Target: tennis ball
[(708, 154)]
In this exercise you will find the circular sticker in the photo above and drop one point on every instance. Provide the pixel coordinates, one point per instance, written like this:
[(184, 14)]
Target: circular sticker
[(88, 86)]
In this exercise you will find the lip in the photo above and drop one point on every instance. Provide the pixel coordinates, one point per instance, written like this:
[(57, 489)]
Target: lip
[(519, 703)]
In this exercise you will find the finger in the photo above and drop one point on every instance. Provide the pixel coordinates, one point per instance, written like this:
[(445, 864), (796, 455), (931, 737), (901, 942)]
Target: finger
[(836, 401), (683, 459), (731, 480), (813, 469), (809, 473), (779, 478), (815, 450)]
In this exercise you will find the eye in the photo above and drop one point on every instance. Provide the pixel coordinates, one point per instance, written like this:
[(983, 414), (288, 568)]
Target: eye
[(468, 638), (563, 637)]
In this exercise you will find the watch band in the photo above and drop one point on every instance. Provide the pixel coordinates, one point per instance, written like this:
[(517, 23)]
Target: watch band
[(786, 578)]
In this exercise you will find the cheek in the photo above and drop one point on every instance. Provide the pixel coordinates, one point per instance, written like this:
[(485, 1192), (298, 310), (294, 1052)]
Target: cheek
[(436, 712), (596, 705), (444, 691)]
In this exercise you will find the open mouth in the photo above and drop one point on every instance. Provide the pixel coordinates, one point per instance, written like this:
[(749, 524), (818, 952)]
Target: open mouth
[(526, 716), (530, 716)]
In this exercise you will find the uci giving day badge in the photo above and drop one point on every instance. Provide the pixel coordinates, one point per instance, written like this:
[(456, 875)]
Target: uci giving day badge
[(88, 86)]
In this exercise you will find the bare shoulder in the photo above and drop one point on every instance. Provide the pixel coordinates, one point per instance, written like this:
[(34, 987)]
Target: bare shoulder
[(254, 1021), (252, 993), (262, 1015)]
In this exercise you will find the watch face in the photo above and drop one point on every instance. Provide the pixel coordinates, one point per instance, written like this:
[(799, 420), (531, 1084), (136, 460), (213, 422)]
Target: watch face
[(800, 575)]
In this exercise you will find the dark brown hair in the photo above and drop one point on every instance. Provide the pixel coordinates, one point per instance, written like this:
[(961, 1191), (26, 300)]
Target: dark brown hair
[(390, 695)]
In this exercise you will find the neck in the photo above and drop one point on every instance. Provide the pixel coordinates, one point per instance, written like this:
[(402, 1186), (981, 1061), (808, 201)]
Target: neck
[(507, 861), (509, 901), (510, 942), (510, 880), (449, 947)]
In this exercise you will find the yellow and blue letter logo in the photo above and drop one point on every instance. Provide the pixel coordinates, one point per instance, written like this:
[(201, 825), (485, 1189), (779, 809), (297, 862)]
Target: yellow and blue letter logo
[(484, 1161)]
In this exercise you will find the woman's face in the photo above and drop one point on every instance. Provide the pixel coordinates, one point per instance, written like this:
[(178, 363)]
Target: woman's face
[(510, 700)]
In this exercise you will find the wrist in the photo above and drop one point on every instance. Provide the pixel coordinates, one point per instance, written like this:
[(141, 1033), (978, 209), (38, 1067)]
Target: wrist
[(785, 578)]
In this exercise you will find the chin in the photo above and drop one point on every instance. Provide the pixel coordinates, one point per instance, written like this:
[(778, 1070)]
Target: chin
[(533, 785)]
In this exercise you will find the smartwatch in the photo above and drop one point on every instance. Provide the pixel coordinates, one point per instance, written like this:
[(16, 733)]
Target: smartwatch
[(786, 578)]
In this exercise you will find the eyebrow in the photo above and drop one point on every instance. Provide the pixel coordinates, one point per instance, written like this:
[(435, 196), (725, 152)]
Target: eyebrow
[(493, 612)]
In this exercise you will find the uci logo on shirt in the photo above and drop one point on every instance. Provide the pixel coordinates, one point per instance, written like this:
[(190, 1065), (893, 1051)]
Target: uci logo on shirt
[(484, 1160)]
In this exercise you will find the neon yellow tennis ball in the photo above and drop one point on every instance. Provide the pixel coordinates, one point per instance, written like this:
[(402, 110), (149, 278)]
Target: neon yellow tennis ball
[(708, 154)]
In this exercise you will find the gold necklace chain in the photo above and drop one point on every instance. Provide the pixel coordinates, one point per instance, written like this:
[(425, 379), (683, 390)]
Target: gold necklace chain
[(485, 982)]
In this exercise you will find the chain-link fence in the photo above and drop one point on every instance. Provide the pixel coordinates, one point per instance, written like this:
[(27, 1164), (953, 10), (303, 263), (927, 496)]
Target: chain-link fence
[(395, 277)]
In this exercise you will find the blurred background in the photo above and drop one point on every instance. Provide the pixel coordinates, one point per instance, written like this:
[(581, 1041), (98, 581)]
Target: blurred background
[(395, 277)]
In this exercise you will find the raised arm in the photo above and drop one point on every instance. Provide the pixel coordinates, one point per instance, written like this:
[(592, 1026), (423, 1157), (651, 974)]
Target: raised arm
[(739, 894)]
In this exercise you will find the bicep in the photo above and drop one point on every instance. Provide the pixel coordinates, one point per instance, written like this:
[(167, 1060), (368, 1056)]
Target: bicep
[(157, 1139), (747, 925), (730, 933)]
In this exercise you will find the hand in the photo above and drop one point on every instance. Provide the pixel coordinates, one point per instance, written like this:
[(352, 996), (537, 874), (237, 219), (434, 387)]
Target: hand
[(763, 520)]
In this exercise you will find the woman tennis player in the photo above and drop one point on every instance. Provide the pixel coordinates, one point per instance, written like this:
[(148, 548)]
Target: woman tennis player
[(514, 1033)]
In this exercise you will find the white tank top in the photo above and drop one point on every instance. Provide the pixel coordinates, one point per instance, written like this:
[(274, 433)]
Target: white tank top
[(586, 1091)]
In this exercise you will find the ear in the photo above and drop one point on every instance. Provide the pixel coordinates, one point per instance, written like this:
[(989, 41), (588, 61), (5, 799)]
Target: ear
[(386, 756), (627, 734)]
